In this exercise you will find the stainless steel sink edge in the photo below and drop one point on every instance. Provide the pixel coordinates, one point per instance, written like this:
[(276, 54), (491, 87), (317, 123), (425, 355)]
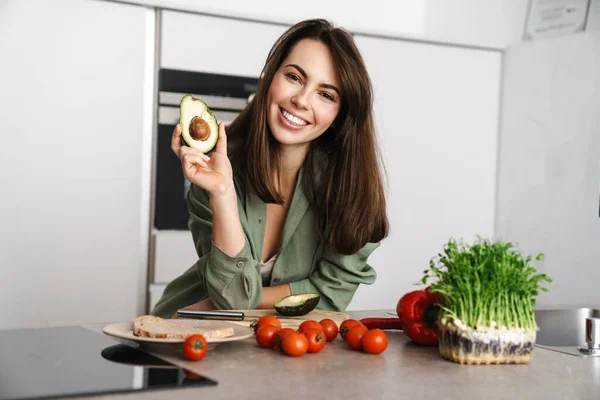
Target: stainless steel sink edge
[(562, 328), (570, 350)]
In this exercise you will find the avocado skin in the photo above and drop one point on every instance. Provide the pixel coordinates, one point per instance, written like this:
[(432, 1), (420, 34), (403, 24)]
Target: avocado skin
[(298, 310)]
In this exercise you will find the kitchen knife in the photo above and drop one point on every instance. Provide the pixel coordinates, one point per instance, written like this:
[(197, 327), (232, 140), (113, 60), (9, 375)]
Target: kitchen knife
[(215, 314)]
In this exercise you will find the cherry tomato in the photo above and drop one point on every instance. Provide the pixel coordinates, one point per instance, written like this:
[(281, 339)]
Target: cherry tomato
[(316, 340), (265, 320), (265, 335), (309, 325), (294, 344), (375, 341), (279, 336), (346, 326), (355, 335), (195, 347), (330, 328)]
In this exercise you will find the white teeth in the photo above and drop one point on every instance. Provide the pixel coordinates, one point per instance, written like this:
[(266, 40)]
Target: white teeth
[(292, 119)]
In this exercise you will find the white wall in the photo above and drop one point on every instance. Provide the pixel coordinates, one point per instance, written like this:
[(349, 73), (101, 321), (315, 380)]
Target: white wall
[(487, 23), (73, 231), (593, 22), (495, 23), (548, 199)]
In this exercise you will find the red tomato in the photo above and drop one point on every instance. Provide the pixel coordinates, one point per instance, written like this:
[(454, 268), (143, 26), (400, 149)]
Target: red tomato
[(295, 344), (309, 325), (346, 326), (279, 336), (316, 340), (195, 347), (355, 335), (265, 320), (374, 342), (330, 328), (265, 335)]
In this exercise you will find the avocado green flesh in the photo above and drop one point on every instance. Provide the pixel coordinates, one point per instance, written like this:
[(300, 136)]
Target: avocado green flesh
[(190, 108), (297, 305)]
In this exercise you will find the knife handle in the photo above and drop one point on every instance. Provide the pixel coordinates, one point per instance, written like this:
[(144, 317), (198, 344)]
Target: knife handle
[(211, 314)]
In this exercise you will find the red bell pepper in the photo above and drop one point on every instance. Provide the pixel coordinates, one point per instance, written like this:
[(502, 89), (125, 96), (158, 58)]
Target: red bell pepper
[(418, 311)]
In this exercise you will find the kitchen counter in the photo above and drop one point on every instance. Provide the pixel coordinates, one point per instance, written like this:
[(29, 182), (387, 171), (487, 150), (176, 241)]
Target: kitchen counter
[(246, 371)]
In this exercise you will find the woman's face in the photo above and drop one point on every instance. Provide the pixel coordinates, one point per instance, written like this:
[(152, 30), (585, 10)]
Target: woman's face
[(304, 96)]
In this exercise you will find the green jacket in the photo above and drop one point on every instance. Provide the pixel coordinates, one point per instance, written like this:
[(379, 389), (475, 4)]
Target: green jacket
[(235, 282)]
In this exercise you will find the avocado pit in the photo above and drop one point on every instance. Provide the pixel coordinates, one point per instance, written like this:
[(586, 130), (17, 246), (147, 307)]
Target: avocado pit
[(199, 129)]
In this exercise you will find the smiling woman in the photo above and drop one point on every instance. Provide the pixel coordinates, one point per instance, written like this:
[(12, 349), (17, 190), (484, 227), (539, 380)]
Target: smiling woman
[(296, 203), (302, 106)]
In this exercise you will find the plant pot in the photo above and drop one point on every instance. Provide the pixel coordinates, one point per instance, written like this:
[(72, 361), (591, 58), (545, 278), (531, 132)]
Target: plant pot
[(466, 345)]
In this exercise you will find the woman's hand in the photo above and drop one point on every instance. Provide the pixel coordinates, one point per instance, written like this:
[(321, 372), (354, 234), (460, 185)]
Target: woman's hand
[(213, 173)]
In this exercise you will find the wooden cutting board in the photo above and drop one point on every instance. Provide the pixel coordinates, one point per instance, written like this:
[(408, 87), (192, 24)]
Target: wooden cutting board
[(293, 322)]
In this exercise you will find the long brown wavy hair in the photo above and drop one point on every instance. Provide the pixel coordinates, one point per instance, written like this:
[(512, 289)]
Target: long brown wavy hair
[(342, 171)]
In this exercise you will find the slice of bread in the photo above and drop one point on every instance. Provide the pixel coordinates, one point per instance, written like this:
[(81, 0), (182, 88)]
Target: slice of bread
[(160, 328)]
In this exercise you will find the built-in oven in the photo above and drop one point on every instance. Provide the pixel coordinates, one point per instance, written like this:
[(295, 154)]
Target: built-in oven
[(172, 249)]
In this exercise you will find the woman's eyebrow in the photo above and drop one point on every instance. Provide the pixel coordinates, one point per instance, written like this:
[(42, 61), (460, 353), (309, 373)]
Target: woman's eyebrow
[(304, 75)]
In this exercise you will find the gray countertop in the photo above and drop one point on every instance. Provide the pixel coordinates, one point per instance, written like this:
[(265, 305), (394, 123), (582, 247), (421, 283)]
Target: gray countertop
[(246, 371)]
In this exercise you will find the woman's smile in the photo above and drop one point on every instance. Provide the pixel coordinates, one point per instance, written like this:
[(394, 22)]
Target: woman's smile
[(292, 121)]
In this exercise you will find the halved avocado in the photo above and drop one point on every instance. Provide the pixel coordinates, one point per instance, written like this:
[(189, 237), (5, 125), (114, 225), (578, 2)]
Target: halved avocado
[(199, 128), (297, 304)]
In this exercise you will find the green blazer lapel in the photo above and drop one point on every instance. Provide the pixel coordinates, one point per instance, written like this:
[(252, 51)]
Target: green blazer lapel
[(298, 208)]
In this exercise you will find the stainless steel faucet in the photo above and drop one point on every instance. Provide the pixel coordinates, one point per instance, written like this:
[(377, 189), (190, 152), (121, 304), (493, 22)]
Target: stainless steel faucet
[(592, 337)]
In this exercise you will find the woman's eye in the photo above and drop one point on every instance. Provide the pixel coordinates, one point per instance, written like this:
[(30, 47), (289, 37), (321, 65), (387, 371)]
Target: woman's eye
[(327, 96), (294, 77)]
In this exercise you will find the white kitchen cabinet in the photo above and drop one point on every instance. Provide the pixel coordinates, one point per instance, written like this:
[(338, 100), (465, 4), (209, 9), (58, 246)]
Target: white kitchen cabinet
[(195, 42), (74, 206), (436, 111)]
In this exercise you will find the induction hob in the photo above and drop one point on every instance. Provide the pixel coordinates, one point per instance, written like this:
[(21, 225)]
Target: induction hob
[(74, 361)]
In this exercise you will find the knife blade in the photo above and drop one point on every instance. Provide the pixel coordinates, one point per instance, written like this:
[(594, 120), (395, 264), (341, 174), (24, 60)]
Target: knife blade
[(216, 314)]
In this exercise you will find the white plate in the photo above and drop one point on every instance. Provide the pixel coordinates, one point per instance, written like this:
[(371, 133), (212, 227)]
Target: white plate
[(124, 330)]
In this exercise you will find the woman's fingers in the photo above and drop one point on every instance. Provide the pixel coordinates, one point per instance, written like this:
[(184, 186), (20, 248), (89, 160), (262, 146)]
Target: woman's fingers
[(185, 150), (188, 160), (222, 142), (176, 140)]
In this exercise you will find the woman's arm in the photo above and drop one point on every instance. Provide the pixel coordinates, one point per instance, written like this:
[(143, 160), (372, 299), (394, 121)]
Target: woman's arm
[(273, 293), (230, 282), (337, 277), (215, 176), (226, 270), (227, 232)]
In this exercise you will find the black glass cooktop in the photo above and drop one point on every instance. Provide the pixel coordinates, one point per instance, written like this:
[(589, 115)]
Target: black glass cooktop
[(74, 361)]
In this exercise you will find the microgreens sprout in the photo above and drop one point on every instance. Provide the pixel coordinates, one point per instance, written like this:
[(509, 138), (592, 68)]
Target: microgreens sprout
[(486, 284)]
